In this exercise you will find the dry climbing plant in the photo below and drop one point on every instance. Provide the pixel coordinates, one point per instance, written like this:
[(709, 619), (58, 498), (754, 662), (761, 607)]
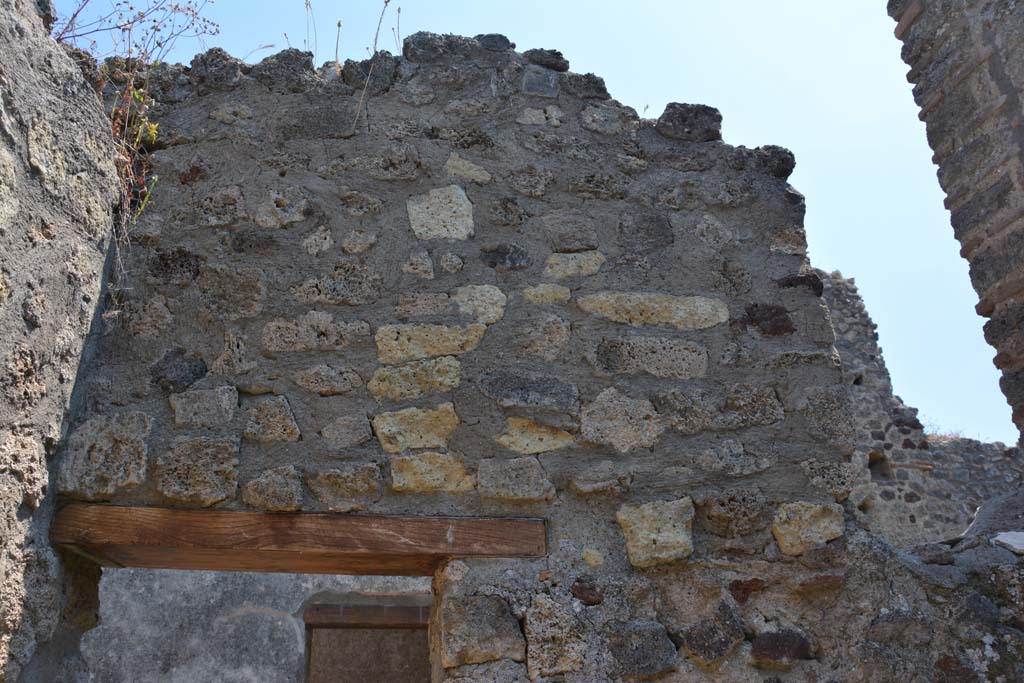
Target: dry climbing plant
[(131, 38)]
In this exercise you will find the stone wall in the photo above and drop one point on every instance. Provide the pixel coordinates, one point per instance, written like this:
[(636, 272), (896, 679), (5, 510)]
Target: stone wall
[(497, 291), (913, 487), (965, 58), (57, 187)]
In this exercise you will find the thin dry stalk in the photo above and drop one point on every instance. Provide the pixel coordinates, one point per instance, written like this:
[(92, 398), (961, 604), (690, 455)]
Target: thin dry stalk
[(369, 72), (337, 44)]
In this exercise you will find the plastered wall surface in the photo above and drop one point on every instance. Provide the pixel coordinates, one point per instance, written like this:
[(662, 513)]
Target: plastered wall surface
[(57, 189)]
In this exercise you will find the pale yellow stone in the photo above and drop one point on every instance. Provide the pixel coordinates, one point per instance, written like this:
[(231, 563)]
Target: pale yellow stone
[(800, 526), (416, 379), (430, 472), (580, 264), (397, 343), (416, 428), (657, 533), (547, 294), (523, 435), (486, 303), (465, 169), (593, 558), (443, 213), (645, 308)]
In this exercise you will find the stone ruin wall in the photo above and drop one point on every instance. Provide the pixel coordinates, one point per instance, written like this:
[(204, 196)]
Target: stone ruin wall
[(57, 187), (500, 292), (905, 505), (912, 487), (966, 61)]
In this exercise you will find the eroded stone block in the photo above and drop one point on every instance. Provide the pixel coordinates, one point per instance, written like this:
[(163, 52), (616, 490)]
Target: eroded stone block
[(416, 428), (657, 533), (271, 419), (644, 308), (205, 407), (479, 628), (523, 435), (105, 455), (346, 488), (397, 343), (416, 379), (198, 471), (444, 213), (614, 419), (275, 490), (800, 526), (518, 479), (430, 472)]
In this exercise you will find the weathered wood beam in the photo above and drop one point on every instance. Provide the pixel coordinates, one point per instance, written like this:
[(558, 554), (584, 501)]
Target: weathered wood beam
[(307, 543)]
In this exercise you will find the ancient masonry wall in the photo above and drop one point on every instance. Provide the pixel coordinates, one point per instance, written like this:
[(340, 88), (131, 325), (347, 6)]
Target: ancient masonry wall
[(913, 487), (495, 290), (967, 67), (57, 187)]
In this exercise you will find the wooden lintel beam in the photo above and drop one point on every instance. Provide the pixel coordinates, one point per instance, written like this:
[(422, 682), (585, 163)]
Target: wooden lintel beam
[(314, 543), (366, 616)]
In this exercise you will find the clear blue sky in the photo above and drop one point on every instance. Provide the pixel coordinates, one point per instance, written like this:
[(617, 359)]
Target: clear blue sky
[(823, 79)]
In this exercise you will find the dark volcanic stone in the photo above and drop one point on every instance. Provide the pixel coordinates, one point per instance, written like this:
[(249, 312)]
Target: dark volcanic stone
[(778, 161), (779, 649), (712, 638), (551, 59), (359, 76), (642, 649), (586, 86), (177, 370), (586, 590), (569, 231), (690, 122), (525, 389), (644, 231), (215, 69), (809, 280), (742, 589), (771, 320), (494, 42), (505, 257)]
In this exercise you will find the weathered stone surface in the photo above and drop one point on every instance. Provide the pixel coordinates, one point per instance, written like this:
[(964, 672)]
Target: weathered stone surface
[(580, 264), (177, 370), (233, 293), (205, 407), (547, 294), (486, 303), (419, 264), (657, 533), (554, 638), (314, 331), (346, 488), (800, 526), (397, 343), (351, 283), (644, 308), (526, 389), (736, 406), (271, 419), (318, 241), (609, 119), (779, 649), (479, 628), (328, 380), (690, 122), (416, 379), (451, 263), (417, 304), (275, 490), (105, 455), (464, 169), (416, 428), (539, 82), (659, 356), (603, 477), (714, 637), (358, 241), (645, 231), (735, 513), (444, 213), (505, 257), (586, 589), (547, 337), (1011, 540), (518, 480), (550, 59), (614, 419), (346, 432), (430, 472), (198, 471), (523, 435), (569, 231), (642, 649)]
